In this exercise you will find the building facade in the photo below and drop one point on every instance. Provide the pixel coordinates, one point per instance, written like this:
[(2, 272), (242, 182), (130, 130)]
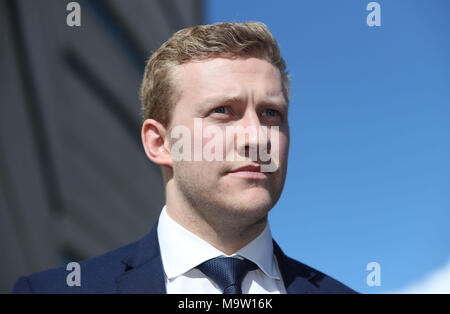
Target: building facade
[(74, 178)]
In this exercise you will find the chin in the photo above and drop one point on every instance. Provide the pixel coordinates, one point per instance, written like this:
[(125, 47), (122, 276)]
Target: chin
[(255, 205), (255, 195)]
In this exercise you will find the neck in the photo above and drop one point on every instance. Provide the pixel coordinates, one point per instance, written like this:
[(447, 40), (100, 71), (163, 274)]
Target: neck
[(227, 234)]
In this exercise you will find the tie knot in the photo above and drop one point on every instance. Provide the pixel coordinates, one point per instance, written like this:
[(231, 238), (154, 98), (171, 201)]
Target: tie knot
[(227, 272)]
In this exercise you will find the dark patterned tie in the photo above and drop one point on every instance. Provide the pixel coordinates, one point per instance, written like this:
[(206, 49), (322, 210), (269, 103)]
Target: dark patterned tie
[(227, 272)]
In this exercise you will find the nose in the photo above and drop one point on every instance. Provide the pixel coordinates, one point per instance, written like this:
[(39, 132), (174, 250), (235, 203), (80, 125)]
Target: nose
[(256, 137), (250, 118)]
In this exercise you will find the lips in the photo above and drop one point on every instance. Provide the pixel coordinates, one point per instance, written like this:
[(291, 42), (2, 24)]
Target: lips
[(248, 168), (249, 172)]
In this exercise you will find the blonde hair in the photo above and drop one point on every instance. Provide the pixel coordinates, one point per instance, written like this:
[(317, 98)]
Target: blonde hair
[(229, 40)]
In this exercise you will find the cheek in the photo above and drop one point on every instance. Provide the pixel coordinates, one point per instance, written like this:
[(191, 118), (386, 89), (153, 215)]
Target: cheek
[(284, 145), (279, 143), (214, 146), (190, 173), (282, 135)]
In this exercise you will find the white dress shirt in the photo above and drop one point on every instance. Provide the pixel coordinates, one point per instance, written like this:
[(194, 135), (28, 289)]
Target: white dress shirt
[(182, 251)]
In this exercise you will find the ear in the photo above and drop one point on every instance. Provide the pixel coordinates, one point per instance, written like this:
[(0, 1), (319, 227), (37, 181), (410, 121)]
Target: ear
[(154, 142)]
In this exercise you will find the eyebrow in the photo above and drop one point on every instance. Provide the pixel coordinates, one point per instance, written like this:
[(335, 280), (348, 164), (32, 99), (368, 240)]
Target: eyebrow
[(224, 100)]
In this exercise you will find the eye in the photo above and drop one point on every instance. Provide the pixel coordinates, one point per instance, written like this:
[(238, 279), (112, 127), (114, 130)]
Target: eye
[(271, 113), (221, 109)]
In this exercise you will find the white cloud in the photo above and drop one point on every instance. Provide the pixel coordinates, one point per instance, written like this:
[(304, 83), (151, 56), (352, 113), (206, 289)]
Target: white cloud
[(437, 281)]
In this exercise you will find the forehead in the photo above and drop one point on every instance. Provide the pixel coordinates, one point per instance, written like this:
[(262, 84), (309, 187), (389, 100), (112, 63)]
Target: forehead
[(249, 77)]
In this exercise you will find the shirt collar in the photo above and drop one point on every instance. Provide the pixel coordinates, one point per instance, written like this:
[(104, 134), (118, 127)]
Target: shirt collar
[(181, 250)]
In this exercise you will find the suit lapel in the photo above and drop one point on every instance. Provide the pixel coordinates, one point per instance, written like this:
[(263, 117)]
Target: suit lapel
[(295, 279), (144, 272)]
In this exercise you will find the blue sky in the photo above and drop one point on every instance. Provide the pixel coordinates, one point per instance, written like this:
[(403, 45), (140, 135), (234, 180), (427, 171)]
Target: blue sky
[(369, 163)]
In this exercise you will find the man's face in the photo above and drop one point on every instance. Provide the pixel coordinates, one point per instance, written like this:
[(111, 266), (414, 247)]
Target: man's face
[(230, 93)]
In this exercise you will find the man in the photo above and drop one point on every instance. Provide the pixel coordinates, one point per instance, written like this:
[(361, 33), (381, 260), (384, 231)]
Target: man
[(203, 84)]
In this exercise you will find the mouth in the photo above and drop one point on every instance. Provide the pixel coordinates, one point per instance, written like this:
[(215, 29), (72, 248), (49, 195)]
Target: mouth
[(251, 172)]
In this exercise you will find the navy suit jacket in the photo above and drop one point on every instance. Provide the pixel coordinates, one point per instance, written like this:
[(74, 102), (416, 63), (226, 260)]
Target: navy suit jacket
[(137, 268)]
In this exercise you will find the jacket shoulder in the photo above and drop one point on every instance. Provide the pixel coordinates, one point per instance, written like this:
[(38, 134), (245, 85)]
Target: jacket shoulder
[(319, 282), (302, 279), (97, 275)]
